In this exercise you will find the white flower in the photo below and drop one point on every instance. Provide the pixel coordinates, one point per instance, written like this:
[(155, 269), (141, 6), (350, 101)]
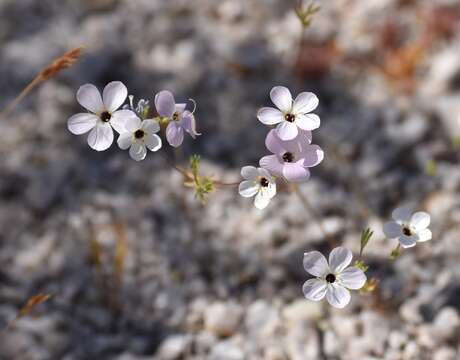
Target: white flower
[(257, 182), (333, 279), (408, 228), (290, 115), (138, 136), (104, 114)]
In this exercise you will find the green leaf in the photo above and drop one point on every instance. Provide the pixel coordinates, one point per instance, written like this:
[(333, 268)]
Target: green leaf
[(305, 14), (365, 237), (361, 265), (431, 168)]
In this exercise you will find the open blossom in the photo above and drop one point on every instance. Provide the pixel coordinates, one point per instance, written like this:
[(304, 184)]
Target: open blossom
[(333, 279), (180, 120), (138, 136), (408, 228), (257, 182), (290, 115), (103, 114), (291, 159)]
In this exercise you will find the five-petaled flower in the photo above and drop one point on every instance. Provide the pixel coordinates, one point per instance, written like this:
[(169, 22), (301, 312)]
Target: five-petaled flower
[(179, 119), (333, 279), (290, 115), (138, 136), (291, 158), (104, 114), (408, 228), (258, 182)]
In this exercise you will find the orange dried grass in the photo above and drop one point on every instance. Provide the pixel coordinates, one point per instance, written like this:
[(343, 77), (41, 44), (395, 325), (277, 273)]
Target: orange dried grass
[(63, 62)]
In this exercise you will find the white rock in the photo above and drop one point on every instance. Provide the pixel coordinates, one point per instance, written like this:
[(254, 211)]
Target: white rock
[(445, 353), (226, 350), (174, 347), (446, 324), (262, 319), (222, 319), (301, 310)]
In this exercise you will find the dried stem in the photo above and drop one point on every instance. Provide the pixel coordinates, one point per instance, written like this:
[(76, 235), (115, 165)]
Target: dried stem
[(63, 62)]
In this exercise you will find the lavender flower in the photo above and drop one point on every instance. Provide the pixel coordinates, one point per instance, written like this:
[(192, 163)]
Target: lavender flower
[(291, 159), (177, 117)]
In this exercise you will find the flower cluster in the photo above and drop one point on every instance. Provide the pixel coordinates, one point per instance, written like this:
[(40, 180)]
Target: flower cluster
[(137, 132), (292, 153)]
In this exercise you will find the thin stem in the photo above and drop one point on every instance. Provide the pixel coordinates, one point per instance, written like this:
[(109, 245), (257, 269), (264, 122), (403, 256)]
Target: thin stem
[(21, 96), (315, 216), (189, 176)]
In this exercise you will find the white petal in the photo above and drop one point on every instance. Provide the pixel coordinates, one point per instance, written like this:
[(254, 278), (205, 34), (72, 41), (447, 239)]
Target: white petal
[(120, 119), (125, 140), (315, 263), (271, 190), (261, 200), (264, 173), (282, 98), (337, 296), (392, 229), (153, 142), (307, 122), (287, 130), (114, 95), (150, 126), (339, 259), (270, 116), (408, 241), (249, 172), (314, 289), (101, 137), (352, 278), (174, 134), (137, 151), (82, 123), (420, 220), (402, 214), (89, 97), (305, 102), (130, 123), (248, 188), (424, 235)]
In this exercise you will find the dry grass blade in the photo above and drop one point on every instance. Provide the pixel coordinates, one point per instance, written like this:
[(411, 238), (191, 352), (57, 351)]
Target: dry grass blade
[(33, 302), (63, 62), (121, 249)]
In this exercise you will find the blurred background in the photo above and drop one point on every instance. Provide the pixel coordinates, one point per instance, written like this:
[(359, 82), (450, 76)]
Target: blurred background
[(139, 269)]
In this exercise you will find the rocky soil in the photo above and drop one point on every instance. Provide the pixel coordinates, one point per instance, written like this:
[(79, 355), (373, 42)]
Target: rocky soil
[(223, 281)]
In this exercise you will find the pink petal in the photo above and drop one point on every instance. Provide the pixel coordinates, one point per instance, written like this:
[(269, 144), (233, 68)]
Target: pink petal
[(272, 164), (164, 103), (174, 134), (295, 172)]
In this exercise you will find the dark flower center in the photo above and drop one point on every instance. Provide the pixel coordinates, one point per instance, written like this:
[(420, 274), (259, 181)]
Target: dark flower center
[(289, 117), (175, 116), (264, 182), (139, 134), (330, 278), (105, 116), (288, 157), (407, 231)]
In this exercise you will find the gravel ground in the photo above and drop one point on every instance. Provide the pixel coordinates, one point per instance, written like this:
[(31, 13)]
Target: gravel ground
[(223, 281)]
